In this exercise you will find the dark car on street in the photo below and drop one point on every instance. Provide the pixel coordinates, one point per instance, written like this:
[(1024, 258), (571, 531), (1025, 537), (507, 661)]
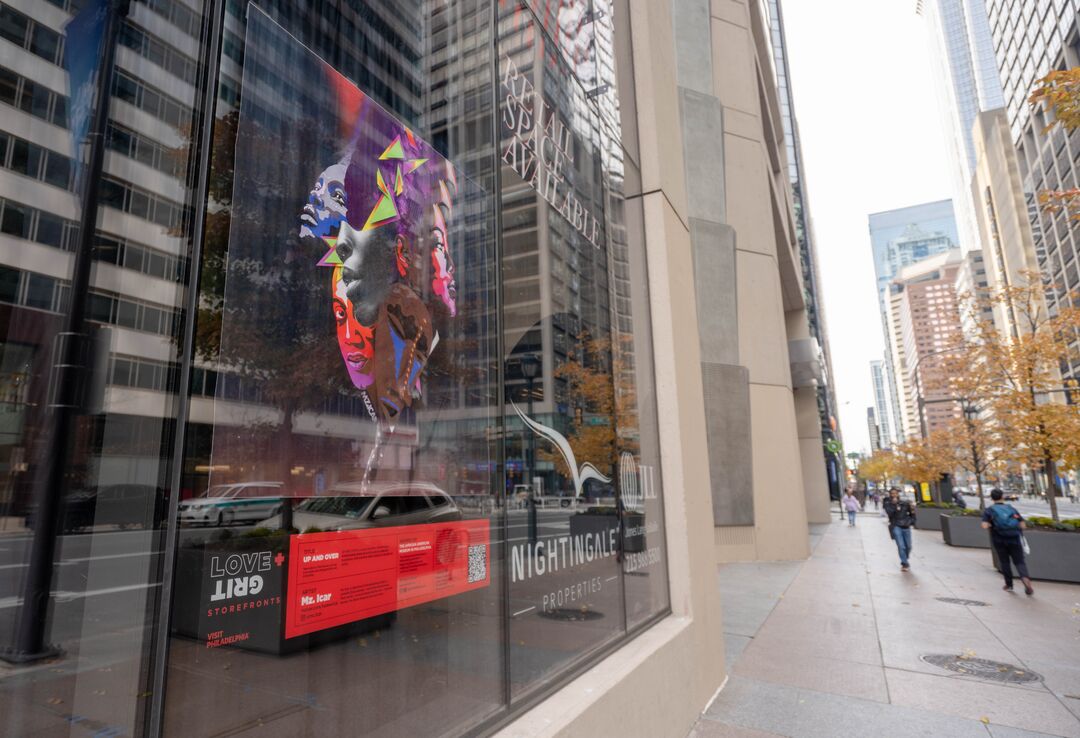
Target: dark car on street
[(123, 505)]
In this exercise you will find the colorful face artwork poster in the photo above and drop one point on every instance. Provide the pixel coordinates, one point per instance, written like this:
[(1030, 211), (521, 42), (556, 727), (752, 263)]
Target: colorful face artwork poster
[(339, 316)]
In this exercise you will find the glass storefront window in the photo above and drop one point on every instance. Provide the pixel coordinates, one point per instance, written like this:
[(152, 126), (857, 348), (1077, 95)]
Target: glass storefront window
[(365, 437), (84, 462)]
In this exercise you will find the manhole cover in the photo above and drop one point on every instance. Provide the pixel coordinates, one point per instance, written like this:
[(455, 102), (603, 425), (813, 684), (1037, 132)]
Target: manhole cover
[(994, 671), (565, 613), (961, 601)]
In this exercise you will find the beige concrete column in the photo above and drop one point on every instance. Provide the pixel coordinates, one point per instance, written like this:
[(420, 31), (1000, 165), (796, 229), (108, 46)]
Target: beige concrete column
[(660, 682)]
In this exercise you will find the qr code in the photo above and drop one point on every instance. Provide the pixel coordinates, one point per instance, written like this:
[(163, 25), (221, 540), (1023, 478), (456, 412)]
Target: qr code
[(478, 563)]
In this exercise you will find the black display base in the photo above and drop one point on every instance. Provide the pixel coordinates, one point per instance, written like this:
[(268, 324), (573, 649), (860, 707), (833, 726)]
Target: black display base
[(14, 656)]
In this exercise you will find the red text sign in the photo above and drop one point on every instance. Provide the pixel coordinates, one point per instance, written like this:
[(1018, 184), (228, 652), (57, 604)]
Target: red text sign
[(341, 577)]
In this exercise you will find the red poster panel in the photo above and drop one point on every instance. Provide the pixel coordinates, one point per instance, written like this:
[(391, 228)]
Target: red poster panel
[(344, 576)]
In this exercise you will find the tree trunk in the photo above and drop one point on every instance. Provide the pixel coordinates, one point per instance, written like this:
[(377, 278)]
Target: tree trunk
[(977, 466), (1051, 477)]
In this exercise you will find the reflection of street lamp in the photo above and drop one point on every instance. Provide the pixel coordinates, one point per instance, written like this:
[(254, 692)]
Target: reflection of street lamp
[(530, 369)]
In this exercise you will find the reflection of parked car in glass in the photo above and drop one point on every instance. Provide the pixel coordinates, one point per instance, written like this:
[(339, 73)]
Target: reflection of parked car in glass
[(123, 505), (354, 505), (225, 504)]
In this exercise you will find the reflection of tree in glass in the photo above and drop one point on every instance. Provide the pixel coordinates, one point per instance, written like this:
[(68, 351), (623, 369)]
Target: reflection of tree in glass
[(275, 340), (588, 389)]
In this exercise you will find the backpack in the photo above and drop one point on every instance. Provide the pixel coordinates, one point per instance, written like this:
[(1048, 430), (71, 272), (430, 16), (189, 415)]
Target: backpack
[(1005, 519)]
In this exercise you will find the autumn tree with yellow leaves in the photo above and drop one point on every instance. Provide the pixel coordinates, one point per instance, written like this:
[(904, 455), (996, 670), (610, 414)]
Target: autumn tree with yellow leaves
[(879, 467), (1033, 415), (923, 460)]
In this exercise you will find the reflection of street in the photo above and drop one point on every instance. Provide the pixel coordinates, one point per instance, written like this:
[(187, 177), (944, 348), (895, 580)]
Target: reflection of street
[(437, 663), (120, 562), (103, 586)]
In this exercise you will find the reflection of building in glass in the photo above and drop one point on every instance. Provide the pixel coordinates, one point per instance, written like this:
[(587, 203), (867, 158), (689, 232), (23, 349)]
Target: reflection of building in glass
[(558, 299), (898, 238), (140, 256), (1031, 39)]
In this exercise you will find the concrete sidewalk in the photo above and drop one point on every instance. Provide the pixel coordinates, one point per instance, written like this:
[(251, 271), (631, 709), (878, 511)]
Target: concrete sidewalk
[(833, 646)]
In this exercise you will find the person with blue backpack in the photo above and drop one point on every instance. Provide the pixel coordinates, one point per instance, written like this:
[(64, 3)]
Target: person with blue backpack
[(1006, 527)]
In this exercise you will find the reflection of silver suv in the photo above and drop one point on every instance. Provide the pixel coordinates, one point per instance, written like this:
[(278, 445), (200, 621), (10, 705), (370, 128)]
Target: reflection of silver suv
[(224, 504), (354, 505)]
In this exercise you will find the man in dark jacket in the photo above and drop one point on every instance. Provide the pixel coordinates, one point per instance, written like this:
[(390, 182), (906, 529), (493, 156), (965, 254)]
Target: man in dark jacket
[(1006, 527), (901, 520)]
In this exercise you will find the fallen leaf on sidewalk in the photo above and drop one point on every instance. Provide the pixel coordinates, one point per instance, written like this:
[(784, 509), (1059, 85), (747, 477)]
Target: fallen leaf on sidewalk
[(967, 653), (984, 720)]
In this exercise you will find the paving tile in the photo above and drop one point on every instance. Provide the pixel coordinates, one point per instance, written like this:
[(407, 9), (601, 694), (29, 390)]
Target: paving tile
[(796, 669), (1004, 731), (734, 645), (824, 628), (1017, 708), (749, 591), (1063, 679), (802, 713), (779, 643), (707, 728)]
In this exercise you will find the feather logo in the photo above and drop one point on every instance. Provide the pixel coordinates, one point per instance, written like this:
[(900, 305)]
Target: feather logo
[(581, 475)]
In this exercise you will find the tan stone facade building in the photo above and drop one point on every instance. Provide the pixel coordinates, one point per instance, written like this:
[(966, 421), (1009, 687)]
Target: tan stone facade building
[(434, 355)]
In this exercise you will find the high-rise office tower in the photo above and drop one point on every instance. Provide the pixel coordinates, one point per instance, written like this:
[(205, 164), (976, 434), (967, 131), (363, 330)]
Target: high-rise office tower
[(924, 323), (1030, 39), (875, 432), (972, 287), (966, 83), (899, 238), (879, 377)]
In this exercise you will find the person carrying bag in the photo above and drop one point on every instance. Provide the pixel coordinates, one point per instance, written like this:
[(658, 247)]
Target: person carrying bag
[(1006, 526)]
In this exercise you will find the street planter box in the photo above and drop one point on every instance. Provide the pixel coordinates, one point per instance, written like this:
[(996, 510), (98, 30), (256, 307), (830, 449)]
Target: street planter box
[(928, 518), (1055, 555), (964, 531)]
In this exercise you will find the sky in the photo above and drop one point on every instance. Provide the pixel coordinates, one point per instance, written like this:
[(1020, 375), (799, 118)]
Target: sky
[(872, 140)]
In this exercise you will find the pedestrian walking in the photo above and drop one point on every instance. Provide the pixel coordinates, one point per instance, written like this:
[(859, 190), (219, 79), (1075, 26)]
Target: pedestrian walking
[(901, 520), (1006, 527), (876, 497), (851, 505)]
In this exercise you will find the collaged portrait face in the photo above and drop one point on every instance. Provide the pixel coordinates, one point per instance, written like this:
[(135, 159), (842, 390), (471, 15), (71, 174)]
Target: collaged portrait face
[(354, 339), (326, 207), (382, 214), (367, 261), (442, 261)]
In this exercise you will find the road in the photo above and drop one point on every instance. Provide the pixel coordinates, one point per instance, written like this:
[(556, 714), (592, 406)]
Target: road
[(1028, 507)]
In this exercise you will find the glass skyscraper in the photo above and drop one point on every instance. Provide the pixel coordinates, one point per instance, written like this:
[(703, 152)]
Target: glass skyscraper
[(966, 82)]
